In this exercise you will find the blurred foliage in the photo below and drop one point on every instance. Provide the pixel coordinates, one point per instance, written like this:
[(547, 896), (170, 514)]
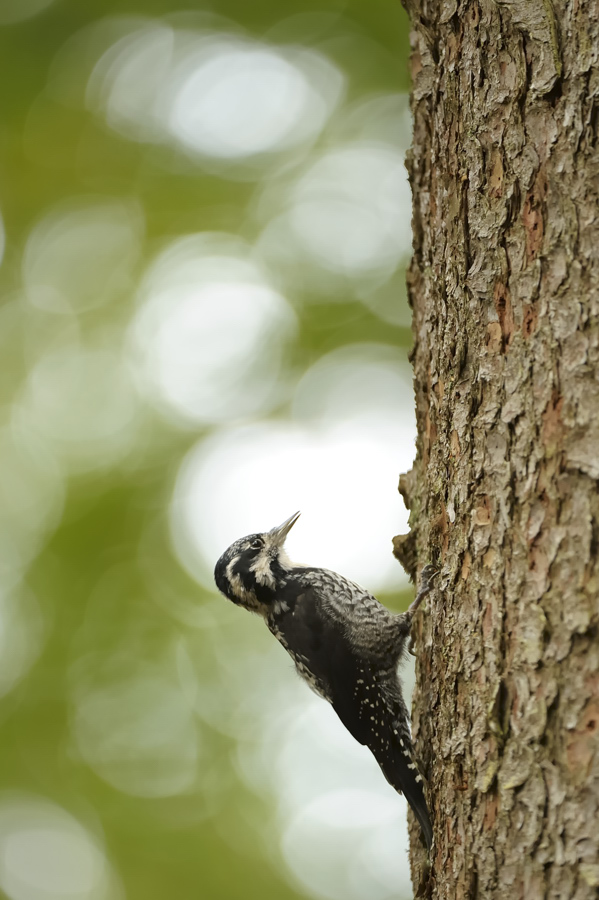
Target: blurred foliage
[(114, 659)]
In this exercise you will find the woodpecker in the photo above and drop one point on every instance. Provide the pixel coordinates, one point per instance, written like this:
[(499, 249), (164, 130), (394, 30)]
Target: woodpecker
[(344, 643)]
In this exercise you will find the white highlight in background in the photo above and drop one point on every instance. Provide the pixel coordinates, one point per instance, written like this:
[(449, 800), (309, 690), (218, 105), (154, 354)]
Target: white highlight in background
[(83, 254), (348, 216), (32, 493), (82, 403), (221, 96), (351, 211), (340, 467), (240, 99), (12, 11), (45, 854), (138, 732), (209, 339), (21, 635)]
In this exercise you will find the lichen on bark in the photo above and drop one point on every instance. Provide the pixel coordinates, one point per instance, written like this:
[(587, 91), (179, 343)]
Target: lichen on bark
[(504, 493)]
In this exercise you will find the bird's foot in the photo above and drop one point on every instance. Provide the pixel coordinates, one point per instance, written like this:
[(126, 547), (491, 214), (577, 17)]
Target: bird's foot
[(429, 573)]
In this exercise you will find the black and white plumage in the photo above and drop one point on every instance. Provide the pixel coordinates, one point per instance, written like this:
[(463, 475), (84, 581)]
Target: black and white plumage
[(343, 642)]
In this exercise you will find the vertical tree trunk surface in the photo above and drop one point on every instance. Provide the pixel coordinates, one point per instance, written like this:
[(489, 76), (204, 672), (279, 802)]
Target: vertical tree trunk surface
[(504, 494)]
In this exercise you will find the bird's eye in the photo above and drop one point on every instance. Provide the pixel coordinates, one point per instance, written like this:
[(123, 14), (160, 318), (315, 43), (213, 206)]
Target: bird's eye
[(257, 544)]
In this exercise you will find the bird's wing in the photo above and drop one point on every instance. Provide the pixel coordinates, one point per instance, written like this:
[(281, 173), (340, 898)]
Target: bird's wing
[(352, 684), (307, 636), (372, 627), (371, 716)]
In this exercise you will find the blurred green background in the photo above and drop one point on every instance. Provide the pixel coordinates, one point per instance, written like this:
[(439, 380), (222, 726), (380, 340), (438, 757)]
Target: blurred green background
[(204, 326)]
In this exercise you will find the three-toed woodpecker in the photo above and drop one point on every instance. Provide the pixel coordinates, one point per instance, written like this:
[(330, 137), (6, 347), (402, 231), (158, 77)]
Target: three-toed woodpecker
[(343, 642)]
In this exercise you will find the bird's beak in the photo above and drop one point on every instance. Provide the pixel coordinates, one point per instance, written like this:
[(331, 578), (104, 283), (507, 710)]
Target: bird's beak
[(279, 534)]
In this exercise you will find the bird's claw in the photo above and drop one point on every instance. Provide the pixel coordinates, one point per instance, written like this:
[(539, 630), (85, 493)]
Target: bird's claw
[(428, 575)]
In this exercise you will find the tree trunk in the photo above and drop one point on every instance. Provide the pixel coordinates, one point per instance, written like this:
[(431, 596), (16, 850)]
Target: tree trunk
[(504, 493)]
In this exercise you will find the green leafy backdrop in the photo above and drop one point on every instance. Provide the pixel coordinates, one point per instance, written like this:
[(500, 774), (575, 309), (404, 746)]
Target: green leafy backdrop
[(154, 743)]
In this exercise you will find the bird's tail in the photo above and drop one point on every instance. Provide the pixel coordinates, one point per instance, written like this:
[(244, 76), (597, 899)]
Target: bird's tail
[(418, 805), (400, 770)]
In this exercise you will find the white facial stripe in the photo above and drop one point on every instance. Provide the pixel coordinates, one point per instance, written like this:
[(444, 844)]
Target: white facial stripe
[(231, 566), (261, 569), (249, 597)]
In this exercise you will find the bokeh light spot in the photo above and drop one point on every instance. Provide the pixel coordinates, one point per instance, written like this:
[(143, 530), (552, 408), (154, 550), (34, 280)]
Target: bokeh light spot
[(138, 733), (19, 10), (339, 465), (21, 634), (83, 403), (342, 225), (46, 854), (31, 499), (82, 255), (209, 338), (240, 101), (216, 95), (351, 211)]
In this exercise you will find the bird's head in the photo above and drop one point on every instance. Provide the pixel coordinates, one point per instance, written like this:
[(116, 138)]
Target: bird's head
[(252, 568)]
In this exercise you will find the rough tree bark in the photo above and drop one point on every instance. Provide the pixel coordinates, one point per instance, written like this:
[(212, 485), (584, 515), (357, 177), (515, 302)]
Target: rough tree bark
[(504, 493)]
